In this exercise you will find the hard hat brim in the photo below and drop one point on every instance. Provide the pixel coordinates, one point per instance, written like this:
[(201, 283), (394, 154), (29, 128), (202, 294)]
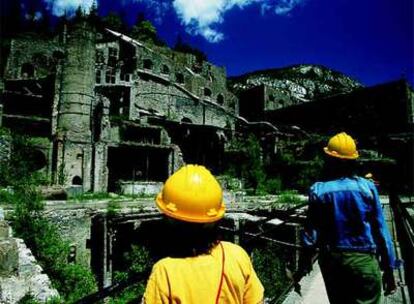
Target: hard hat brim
[(193, 219), (337, 155)]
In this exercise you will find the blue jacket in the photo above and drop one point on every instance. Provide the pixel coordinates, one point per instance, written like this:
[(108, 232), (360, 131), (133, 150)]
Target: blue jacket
[(346, 215)]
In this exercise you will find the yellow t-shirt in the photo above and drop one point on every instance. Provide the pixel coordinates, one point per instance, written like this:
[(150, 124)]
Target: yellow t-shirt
[(196, 279)]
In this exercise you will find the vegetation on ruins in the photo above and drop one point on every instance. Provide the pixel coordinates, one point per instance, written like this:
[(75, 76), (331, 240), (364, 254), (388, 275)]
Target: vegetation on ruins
[(248, 164), (269, 262), (297, 166), (73, 281), (137, 261)]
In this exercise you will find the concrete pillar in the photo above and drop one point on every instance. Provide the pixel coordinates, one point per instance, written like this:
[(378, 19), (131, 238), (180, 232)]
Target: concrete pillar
[(298, 228), (107, 265), (76, 100), (100, 245)]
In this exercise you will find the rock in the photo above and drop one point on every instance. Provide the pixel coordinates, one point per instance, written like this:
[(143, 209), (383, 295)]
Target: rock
[(26, 276), (5, 231), (300, 82), (9, 257)]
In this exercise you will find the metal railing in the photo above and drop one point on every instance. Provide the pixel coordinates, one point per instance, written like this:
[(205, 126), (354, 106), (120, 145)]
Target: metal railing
[(404, 223)]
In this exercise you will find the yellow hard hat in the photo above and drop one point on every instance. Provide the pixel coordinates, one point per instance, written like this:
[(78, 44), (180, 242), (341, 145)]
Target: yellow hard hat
[(342, 146), (192, 194)]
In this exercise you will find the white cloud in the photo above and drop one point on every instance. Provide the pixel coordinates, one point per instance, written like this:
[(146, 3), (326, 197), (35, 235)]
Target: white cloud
[(59, 7), (285, 6), (202, 17)]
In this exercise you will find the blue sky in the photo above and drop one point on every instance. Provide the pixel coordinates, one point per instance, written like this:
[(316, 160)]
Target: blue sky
[(369, 40)]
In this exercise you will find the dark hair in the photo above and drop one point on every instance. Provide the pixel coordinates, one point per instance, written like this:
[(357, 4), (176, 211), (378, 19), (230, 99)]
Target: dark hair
[(184, 239), (335, 168)]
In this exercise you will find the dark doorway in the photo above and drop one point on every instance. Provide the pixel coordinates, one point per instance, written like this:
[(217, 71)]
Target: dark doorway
[(131, 163)]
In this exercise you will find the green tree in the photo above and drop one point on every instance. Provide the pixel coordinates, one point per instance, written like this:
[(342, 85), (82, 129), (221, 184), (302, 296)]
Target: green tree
[(114, 22), (145, 31)]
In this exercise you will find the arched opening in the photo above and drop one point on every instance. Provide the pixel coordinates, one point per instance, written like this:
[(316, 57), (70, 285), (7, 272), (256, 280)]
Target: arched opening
[(165, 69), (77, 180), (207, 92), (36, 160), (27, 70), (179, 78), (148, 64), (220, 99)]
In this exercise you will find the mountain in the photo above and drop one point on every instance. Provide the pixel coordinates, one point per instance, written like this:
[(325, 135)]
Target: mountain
[(303, 82)]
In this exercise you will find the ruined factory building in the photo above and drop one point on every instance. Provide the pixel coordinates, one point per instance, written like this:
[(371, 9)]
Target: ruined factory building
[(108, 111)]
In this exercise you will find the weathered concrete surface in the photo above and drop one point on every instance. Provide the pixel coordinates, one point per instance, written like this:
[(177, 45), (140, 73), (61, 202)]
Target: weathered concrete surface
[(312, 289), (140, 188), (9, 257), (27, 278)]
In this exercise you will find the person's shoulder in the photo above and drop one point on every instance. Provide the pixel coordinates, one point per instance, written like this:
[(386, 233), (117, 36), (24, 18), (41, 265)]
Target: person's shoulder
[(365, 181), (234, 249), (231, 246), (161, 262), (318, 188), (165, 263)]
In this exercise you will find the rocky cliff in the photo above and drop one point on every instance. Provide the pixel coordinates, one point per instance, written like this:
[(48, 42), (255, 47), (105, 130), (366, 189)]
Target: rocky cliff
[(302, 82)]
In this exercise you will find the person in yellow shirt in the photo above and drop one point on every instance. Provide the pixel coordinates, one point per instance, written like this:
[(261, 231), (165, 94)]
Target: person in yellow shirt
[(200, 268)]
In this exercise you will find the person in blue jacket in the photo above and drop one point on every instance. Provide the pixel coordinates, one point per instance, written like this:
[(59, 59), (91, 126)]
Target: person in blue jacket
[(345, 221)]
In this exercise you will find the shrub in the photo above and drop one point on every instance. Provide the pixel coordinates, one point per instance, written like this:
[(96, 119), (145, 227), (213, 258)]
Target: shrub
[(269, 263), (274, 185), (289, 197), (138, 260), (74, 281)]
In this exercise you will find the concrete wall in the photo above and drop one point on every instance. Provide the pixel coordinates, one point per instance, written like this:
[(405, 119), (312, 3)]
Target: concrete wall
[(41, 52), (74, 225), (141, 188)]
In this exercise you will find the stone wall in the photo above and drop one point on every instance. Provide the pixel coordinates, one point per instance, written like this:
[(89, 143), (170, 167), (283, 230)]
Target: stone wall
[(74, 225), (141, 188), (33, 50), (20, 275)]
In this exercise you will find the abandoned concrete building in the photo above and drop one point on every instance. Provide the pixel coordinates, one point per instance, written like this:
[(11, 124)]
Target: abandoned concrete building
[(106, 109), (381, 117), (110, 113)]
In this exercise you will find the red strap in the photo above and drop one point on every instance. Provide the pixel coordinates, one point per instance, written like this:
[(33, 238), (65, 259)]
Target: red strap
[(222, 273)]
